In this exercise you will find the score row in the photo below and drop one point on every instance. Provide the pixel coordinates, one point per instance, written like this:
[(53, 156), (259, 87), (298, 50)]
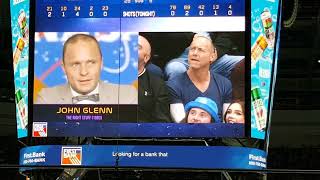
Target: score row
[(111, 11)]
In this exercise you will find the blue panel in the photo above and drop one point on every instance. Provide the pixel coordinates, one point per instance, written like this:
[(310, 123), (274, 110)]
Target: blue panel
[(182, 130), (197, 157)]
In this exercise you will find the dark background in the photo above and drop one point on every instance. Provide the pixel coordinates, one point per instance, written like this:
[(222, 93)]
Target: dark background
[(169, 45), (295, 126)]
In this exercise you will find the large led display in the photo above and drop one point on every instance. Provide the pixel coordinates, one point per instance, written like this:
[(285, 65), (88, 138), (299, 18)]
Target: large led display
[(153, 69), (140, 68)]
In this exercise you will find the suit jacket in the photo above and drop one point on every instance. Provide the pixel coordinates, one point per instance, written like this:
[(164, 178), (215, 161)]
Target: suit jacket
[(108, 94), (153, 99)]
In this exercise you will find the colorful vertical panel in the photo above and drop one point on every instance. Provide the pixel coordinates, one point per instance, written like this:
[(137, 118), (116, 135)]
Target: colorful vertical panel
[(264, 17), (20, 45)]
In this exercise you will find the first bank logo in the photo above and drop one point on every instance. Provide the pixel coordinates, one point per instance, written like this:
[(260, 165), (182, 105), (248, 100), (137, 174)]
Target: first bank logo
[(71, 155), (39, 129)]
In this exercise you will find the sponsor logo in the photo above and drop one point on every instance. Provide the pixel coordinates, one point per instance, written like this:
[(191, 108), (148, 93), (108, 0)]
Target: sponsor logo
[(71, 155), (39, 129)]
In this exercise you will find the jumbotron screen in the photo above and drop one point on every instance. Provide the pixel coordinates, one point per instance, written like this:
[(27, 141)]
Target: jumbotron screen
[(141, 68)]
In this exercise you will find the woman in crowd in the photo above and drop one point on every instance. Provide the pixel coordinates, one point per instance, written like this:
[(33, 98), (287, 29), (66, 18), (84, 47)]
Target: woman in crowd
[(235, 112)]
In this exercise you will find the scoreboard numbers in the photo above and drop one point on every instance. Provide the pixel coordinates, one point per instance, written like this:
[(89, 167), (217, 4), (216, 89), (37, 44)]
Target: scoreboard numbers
[(49, 11), (101, 10)]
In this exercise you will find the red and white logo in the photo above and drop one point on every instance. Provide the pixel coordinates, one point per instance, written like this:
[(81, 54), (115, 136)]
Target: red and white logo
[(39, 129), (71, 155)]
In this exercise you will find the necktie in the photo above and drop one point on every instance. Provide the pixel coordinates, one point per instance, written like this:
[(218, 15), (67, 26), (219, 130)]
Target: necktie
[(93, 97)]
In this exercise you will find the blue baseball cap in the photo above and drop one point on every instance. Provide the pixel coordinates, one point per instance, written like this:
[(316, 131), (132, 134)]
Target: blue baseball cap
[(206, 104)]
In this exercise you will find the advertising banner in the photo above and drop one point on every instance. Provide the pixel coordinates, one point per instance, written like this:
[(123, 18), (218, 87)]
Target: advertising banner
[(20, 45), (215, 157), (264, 21)]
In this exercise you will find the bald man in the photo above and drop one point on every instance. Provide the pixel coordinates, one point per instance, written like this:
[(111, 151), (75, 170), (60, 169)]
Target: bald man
[(198, 81), (152, 68), (153, 97)]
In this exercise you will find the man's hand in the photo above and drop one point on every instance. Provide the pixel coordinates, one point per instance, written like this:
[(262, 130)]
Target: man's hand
[(177, 112)]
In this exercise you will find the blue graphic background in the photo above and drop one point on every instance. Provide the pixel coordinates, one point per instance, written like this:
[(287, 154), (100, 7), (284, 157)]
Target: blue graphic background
[(144, 130), (21, 71), (266, 61)]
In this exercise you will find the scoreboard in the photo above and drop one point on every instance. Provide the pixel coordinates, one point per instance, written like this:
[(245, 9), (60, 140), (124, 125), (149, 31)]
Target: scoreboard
[(152, 16), (127, 9)]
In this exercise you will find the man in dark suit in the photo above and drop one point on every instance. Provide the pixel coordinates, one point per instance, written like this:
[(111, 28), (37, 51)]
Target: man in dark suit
[(153, 95), (82, 64)]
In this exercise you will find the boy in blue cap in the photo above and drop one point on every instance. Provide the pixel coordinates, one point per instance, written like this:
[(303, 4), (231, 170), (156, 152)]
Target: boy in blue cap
[(202, 110)]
